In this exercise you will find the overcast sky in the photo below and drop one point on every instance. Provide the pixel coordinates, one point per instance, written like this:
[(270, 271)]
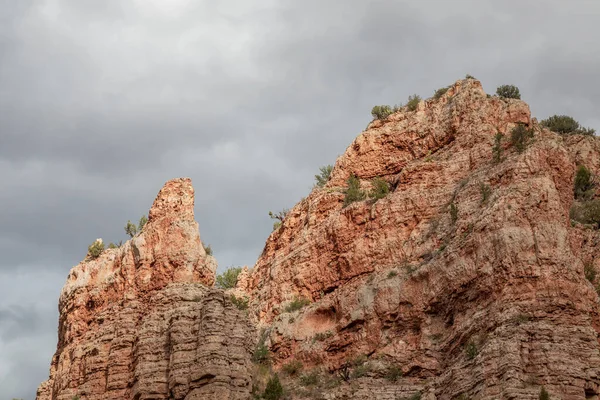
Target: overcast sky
[(102, 101)]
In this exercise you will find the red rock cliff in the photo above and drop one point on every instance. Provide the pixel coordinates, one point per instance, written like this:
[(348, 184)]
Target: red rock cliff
[(489, 303), (140, 321)]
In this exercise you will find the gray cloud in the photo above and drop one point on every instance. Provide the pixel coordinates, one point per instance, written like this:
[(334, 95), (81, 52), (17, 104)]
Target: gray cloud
[(101, 102)]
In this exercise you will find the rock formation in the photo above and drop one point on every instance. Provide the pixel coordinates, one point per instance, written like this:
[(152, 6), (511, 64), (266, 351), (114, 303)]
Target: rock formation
[(141, 322), (468, 280), (467, 276)]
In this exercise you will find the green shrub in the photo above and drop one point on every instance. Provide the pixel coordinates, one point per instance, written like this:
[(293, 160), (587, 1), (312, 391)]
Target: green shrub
[(380, 188), (453, 213), (207, 249), (261, 353), (276, 225), (274, 390), (96, 248), (381, 112), (359, 360), (323, 177), (240, 302), (393, 373), (130, 229), (520, 137), (353, 192), (590, 272), (564, 124), (360, 370), (508, 91), (471, 350), (497, 149), (297, 304), (584, 184), (228, 279), (485, 191), (544, 394), (586, 212), (309, 379), (292, 368), (469, 77), (142, 222), (413, 102), (440, 92), (111, 245), (392, 274)]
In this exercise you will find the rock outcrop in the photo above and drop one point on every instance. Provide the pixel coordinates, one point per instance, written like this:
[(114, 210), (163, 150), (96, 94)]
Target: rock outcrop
[(468, 276), (141, 321), (468, 280)]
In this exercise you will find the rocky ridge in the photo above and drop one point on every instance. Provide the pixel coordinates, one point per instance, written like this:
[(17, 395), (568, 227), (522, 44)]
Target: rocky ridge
[(467, 281), (141, 321), (490, 303)]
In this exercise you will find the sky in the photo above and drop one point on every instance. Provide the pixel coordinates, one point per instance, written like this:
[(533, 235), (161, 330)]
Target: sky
[(103, 101)]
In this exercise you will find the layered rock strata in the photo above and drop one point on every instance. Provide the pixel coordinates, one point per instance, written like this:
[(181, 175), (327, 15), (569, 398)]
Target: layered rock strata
[(141, 321), (468, 276)]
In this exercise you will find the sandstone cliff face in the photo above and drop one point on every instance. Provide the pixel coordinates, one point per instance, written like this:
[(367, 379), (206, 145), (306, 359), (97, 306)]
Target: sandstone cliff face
[(491, 305), (465, 282), (140, 321)]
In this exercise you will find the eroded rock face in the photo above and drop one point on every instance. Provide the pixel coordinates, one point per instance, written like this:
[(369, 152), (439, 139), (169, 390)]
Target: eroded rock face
[(466, 281), (140, 321), (491, 303)]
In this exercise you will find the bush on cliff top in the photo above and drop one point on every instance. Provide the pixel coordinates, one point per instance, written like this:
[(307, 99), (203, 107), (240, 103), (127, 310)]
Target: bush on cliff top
[(228, 279), (413, 102), (96, 248), (566, 125), (440, 92), (508, 91), (323, 176), (381, 112)]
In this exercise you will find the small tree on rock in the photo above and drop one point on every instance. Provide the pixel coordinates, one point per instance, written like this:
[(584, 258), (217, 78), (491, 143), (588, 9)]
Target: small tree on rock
[(130, 229), (322, 178), (566, 125), (142, 223), (228, 279), (354, 192), (380, 188), (96, 248), (381, 112), (509, 92), (584, 184), (274, 390), (413, 102)]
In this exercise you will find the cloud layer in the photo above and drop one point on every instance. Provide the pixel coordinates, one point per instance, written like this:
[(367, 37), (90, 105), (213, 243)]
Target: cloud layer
[(101, 102)]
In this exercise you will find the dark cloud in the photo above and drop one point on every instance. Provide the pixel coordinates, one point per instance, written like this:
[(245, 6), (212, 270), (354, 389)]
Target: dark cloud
[(102, 102)]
